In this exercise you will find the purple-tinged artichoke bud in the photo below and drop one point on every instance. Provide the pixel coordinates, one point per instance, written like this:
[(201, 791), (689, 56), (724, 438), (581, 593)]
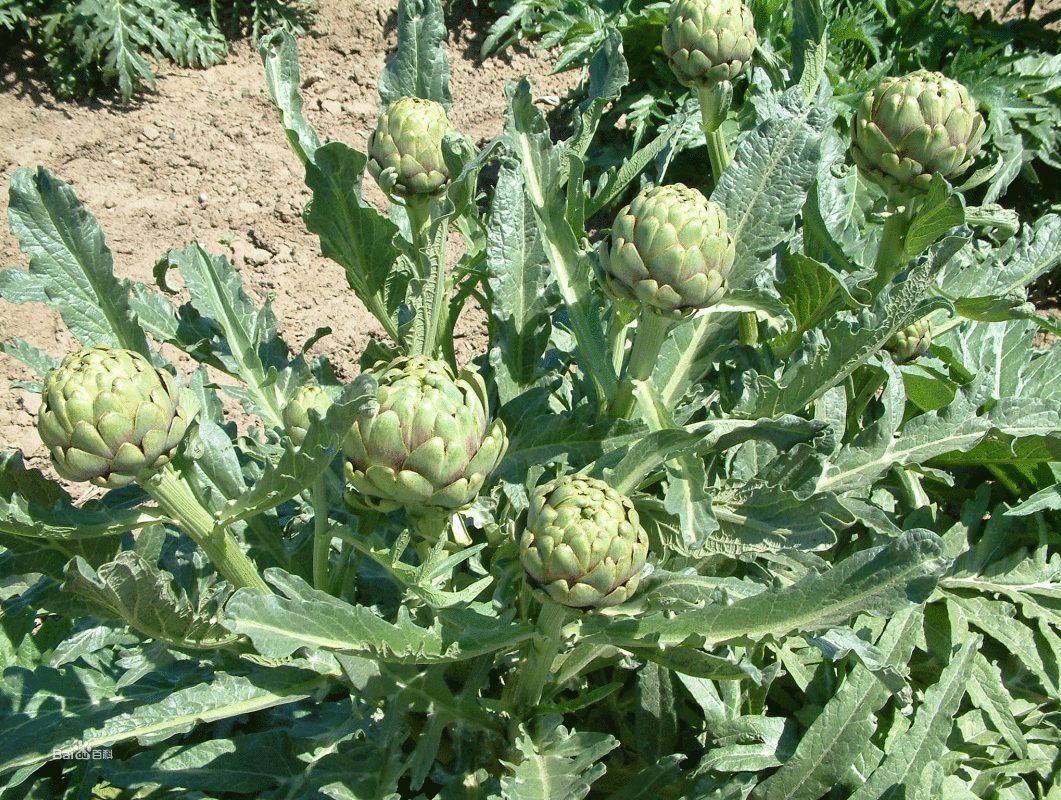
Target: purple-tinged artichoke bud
[(408, 138), (908, 129), (431, 443)]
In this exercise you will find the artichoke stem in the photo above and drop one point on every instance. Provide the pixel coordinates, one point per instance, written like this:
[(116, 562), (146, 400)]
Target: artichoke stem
[(177, 499), (432, 269), (540, 654), (891, 255), (649, 336), (322, 535), (711, 119)]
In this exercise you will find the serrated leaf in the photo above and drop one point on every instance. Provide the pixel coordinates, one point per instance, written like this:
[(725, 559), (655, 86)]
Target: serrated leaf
[(910, 754), (765, 187), (878, 581), (279, 53), (70, 268), (833, 742), (355, 235), (133, 590), (420, 67), (832, 352), (250, 348), (248, 763), (519, 274), (80, 709), (555, 763), (300, 616), (34, 507)]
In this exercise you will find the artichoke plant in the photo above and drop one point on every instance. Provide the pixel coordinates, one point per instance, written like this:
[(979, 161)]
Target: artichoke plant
[(709, 41), (430, 445), (296, 412), (669, 251), (908, 129), (109, 417), (911, 342), (583, 542), (408, 138)]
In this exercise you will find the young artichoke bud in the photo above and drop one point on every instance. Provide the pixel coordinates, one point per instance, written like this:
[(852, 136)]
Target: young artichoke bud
[(583, 542), (908, 129), (431, 443), (408, 137), (709, 41), (669, 251), (911, 342), (109, 417), (296, 412)]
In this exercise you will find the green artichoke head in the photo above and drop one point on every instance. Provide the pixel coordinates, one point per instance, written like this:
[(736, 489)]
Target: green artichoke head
[(908, 129), (709, 41), (296, 412), (109, 417), (670, 251), (431, 443), (911, 342), (583, 542), (408, 138)]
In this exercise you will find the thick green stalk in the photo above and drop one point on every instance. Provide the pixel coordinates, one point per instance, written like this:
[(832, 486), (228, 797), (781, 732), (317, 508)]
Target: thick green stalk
[(322, 535), (891, 255), (649, 336), (711, 120), (431, 266), (178, 500), (540, 654)]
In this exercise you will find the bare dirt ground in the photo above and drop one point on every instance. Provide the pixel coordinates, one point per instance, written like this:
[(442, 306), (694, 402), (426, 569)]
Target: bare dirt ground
[(205, 159)]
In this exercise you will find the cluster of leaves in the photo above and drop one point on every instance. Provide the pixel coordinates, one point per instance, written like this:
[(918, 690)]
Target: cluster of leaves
[(855, 567), (1011, 68), (90, 45)]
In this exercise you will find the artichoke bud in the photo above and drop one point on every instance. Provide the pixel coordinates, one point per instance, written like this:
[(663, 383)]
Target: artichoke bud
[(911, 342), (296, 412), (669, 251), (431, 443), (583, 542), (408, 140), (908, 129), (709, 41), (109, 417)]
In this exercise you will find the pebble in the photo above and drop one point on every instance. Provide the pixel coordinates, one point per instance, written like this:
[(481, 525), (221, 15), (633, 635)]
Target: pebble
[(151, 132)]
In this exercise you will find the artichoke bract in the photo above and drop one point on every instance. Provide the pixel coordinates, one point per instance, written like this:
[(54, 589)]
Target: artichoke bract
[(296, 412), (709, 41), (430, 445), (408, 137), (109, 417), (911, 342), (908, 129), (583, 542), (670, 251)]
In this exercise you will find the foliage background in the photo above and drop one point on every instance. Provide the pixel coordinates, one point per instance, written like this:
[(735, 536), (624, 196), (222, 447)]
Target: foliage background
[(205, 159)]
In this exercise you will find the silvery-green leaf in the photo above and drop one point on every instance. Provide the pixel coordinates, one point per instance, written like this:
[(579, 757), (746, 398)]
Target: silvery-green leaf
[(926, 740), (833, 742), (554, 763), (70, 267), (281, 624), (879, 581)]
